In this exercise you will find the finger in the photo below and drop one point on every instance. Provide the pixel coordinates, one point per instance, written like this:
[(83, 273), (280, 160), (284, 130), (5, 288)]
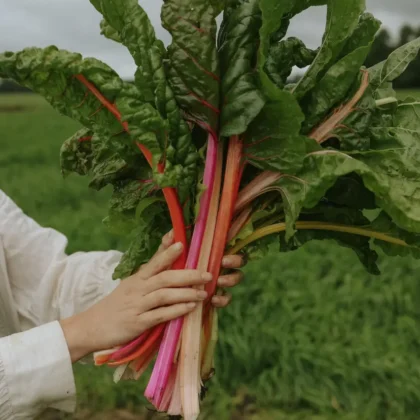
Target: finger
[(166, 297), (167, 241), (162, 261), (221, 301), (159, 316), (176, 279), (230, 280), (233, 261)]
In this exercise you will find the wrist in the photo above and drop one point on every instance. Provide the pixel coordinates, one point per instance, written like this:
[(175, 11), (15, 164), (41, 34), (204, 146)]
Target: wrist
[(77, 337)]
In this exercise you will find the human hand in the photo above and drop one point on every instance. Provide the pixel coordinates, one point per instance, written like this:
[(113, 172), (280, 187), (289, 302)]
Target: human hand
[(152, 296), (230, 262)]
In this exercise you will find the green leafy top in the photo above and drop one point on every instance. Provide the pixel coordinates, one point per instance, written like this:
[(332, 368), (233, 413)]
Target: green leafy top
[(339, 140)]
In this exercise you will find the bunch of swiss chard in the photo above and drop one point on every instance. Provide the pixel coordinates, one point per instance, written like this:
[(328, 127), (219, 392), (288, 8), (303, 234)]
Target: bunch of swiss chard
[(212, 141)]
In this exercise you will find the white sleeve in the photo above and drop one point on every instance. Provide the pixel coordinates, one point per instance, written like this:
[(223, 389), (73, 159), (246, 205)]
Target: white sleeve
[(35, 373), (47, 285)]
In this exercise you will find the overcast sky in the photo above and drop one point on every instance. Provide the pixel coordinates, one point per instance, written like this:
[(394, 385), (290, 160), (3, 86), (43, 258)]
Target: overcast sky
[(73, 25)]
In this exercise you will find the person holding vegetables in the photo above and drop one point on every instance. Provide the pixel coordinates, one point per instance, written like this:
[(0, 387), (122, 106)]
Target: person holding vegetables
[(55, 309)]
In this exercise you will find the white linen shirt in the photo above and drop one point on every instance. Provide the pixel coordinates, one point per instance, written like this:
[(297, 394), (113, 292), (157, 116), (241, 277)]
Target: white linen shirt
[(39, 285)]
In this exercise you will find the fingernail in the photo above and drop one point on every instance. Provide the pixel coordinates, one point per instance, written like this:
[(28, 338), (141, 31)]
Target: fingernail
[(171, 234), (222, 281), (216, 300), (207, 277), (202, 294), (191, 305), (225, 261), (178, 246)]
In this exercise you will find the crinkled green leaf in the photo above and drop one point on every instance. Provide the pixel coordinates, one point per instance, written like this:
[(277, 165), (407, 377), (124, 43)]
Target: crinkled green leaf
[(395, 65), (193, 65), (342, 20), (76, 153), (363, 34), (241, 97), (384, 224), (127, 195), (109, 32), (146, 204), (140, 251), (124, 214), (401, 129), (392, 175), (281, 117), (283, 154), (336, 215), (354, 132), (128, 216), (130, 23), (106, 160), (285, 55), (51, 72), (328, 93)]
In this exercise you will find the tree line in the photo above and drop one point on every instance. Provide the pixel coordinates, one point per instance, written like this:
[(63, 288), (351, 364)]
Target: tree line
[(384, 44)]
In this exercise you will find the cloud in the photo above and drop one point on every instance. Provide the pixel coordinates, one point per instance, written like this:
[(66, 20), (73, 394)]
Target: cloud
[(73, 25)]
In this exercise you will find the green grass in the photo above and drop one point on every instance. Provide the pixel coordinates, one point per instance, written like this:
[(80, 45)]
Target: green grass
[(309, 335)]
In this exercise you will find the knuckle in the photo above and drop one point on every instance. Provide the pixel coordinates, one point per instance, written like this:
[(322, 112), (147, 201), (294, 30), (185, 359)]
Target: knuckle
[(160, 280)]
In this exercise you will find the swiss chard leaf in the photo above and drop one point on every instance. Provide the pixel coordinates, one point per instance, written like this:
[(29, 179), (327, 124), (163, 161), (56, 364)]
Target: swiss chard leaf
[(142, 248), (280, 120), (193, 65), (109, 32), (242, 99), (337, 215), (342, 20), (137, 210), (283, 56), (52, 73), (395, 65), (363, 34), (76, 153), (384, 224), (328, 93), (381, 173), (136, 32)]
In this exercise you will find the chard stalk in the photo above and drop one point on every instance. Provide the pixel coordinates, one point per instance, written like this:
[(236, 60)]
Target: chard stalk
[(172, 201), (386, 101), (281, 227), (325, 130), (175, 406), (190, 355), (237, 225), (169, 390), (227, 203), (210, 348), (258, 186), (159, 379)]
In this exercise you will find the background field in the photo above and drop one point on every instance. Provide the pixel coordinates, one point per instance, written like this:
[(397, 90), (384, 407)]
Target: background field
[(309, 335)]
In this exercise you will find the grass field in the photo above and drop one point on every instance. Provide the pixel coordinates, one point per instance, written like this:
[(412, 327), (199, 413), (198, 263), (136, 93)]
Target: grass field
[(309, 335)]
